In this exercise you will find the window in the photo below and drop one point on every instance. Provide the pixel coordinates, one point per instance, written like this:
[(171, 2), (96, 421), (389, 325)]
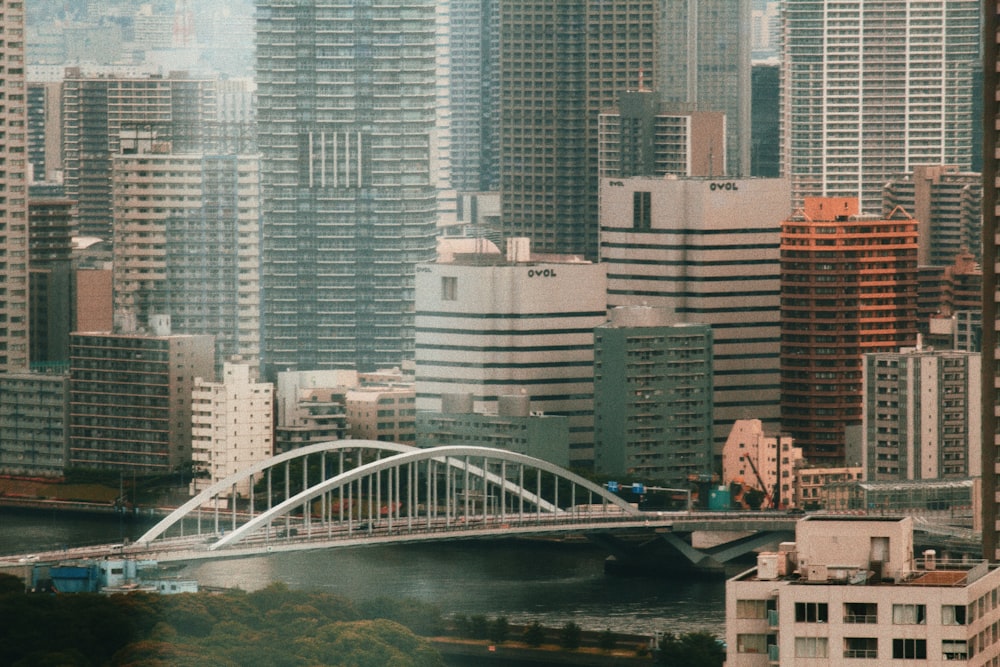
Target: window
[(811, 647), (641, 216), (751, 643), (449, 288), (909, 614), (954, 649), (953, 614), (810, 612), (751, 609), (860, 647), (909, 649), (860, 612)]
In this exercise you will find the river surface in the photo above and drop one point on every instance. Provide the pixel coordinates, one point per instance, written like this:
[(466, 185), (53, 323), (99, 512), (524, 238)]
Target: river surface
[(552, 583)]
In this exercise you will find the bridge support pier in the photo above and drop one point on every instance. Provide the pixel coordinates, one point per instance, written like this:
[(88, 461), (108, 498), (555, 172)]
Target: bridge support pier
[(671, 554)]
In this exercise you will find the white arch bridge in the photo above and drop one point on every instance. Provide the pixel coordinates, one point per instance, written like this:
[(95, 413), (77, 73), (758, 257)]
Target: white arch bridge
[(353, 492)]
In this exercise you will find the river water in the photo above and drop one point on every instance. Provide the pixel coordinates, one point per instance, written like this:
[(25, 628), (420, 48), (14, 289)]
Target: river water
[(552, 583)]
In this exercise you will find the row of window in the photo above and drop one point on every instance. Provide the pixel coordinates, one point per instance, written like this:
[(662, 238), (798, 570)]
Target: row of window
[(854, 612)]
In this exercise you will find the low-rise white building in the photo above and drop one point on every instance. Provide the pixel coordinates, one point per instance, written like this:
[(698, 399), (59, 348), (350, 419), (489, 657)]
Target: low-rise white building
[(849, 591), (231, 425)]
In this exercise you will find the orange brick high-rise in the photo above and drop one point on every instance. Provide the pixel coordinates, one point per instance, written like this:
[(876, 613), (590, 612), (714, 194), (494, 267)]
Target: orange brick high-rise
[(848, 287)]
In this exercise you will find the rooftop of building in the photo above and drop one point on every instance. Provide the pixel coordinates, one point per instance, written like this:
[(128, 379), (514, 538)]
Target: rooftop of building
[(483, 252), (843, 550)]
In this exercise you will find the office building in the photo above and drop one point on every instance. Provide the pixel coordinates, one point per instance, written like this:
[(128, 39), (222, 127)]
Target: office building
[(766, 463), (14, 276), (652, 397), (851, 590), (707, 250), (349, 199), (949, 205), (848, 288), (231, 426), (561, 64), (34, 433), (513, 427), (991, 298), (921, 415), (642, 137), (494, 325), (869, 90), (187, 245), (130, 399), (97, 110), (704, 61)]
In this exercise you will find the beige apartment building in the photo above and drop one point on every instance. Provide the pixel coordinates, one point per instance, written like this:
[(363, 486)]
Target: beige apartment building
[(14, 277), (849, 591), (187, 244), (231, 425), (763, 461)]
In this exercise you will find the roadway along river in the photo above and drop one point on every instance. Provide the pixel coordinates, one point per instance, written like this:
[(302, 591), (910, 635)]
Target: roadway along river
[(524, 581)]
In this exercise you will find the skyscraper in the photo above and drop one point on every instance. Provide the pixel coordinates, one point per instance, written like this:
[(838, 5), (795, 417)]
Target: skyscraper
[(346, 112), (474, 94), (98, 110), (187, 245), (991, 251), (704, 63), (871, 89), (14, 202), (562, 63)]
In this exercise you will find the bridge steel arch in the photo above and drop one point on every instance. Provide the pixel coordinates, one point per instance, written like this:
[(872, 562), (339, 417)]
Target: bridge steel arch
[(449, 501)]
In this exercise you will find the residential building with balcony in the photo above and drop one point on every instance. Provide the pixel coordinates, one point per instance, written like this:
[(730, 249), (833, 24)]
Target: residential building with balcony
[(652, 397), (848, 288), (231, 426), (130, 399), (851, 591), (920, 415), (34, 431)]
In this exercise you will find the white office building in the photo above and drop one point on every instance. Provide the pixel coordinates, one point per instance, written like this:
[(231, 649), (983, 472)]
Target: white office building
[(492, 325), (707, 251)]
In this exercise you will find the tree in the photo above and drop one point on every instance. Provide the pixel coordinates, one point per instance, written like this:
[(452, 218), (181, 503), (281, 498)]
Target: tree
[(479, 627), (499, 629), (534, 634), (607, 640), (694, 649), (570, 636)]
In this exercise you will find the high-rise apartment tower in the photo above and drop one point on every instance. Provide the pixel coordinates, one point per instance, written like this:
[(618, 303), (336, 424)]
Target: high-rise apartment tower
[(562, 63), (14, 202), (848, 287), (871, 89), (991, 252), (346, 114)]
